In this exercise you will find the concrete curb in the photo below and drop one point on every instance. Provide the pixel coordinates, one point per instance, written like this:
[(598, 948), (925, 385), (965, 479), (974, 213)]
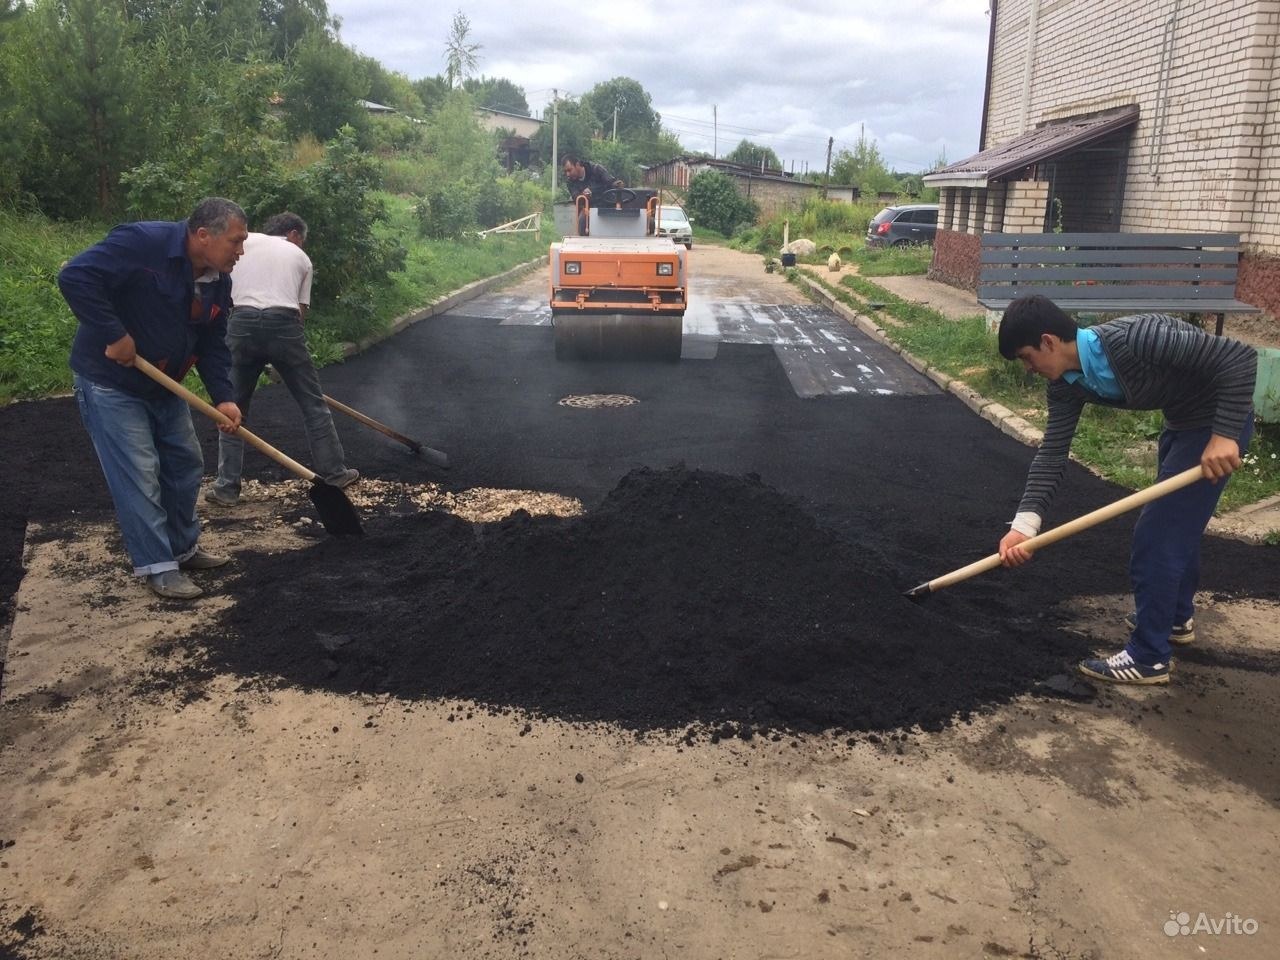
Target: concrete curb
[(1001, 416), (441, 305)]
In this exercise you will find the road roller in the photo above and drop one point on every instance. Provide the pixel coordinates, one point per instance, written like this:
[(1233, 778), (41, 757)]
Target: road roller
[(618, 291)]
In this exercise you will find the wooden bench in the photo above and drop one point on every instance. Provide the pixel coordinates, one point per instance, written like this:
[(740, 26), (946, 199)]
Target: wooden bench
[(1191, 273)]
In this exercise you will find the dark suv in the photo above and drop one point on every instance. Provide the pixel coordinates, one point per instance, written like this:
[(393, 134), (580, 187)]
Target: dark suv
[(908, 224)]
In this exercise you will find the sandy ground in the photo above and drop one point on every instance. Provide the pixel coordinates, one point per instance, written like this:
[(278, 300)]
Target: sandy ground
[(251, 822)]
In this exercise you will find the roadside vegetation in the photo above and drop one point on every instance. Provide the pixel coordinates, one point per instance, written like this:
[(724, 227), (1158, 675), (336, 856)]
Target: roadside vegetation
[(1120, 445)]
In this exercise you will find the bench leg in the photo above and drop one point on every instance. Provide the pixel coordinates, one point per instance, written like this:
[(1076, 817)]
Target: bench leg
[(1217, 331)]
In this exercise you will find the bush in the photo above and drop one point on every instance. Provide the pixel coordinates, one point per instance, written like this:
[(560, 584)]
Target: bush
[(445, 212), (335, 197), (407, 173), (505, 199), (714, 202)]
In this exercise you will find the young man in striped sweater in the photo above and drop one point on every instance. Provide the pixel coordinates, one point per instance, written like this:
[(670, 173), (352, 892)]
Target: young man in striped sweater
[(1204, 387)]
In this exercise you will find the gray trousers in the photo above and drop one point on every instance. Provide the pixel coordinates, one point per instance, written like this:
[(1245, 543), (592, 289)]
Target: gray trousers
[(274, 336)]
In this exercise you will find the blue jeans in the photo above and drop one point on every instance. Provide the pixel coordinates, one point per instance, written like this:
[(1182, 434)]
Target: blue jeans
[(152, 462), (256, 338), (1165, 563)]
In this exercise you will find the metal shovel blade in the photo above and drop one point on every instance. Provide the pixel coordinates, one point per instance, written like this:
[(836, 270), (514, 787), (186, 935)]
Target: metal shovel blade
[(336, 512)]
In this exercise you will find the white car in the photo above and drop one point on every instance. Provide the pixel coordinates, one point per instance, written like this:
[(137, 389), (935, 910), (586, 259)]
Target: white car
[(674, 223)]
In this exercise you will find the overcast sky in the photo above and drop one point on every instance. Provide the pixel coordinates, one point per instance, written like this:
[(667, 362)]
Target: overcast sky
[(785, 74)]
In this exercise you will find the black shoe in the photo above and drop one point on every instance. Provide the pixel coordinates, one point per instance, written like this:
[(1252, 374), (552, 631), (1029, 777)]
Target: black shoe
[(203, 560)]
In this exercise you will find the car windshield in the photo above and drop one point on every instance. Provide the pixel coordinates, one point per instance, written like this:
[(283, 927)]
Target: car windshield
[(673, 215), (883, 215)]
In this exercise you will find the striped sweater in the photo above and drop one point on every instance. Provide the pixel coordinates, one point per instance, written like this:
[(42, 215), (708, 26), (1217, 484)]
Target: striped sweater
[(1161, 363)]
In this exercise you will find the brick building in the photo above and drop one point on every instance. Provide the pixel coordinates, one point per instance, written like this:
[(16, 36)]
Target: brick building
[(1111, 115)]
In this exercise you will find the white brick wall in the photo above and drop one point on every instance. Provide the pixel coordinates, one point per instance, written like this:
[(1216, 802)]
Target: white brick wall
[(1216, 163)]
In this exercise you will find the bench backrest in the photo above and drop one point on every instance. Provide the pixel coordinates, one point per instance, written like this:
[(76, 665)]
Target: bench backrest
[(1110, 266)]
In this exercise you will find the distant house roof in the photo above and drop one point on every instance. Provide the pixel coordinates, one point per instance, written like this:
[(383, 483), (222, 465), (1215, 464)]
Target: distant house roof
[(518, 123), (507, 113), (376, 107), (1051, 140)]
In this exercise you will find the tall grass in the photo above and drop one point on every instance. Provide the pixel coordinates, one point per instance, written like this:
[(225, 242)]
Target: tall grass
[(833, 226), (35, 325)]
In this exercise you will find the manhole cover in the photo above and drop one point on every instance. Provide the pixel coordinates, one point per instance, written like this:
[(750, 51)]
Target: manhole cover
[(591, 401)]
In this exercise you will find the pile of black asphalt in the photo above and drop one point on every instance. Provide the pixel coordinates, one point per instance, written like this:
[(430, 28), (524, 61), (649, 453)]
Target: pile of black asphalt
[(739, 568)]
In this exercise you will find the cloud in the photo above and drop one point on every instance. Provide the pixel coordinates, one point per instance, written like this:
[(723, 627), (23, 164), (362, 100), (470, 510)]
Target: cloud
[(784, 73)]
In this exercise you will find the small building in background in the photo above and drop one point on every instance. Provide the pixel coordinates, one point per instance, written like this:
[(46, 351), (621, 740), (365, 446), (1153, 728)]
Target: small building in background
[(517, 131)]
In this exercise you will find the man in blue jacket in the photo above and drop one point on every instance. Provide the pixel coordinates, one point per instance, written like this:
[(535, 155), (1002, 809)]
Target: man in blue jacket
[(162, 291)]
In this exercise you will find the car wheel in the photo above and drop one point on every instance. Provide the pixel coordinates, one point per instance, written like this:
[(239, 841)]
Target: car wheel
[(903, 243), (689, 245)]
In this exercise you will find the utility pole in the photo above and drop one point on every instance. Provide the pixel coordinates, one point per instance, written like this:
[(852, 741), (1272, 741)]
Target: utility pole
[(715, 134), (826, 176), (555, 138), (615, 123)]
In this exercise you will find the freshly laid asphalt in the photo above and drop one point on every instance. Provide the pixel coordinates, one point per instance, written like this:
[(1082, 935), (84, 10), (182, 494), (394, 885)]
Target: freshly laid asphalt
[(903, 483)]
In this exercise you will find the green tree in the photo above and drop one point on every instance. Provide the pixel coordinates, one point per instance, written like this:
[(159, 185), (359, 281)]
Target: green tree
[(750, 155), (211, 135), (714, 201), (461, 149), (78, 87), (638, 122), (431, 91), (577, 128), (289, 22), (865, 167), (498, 93), (324, 87), (12, 117), (618, 159), (459, 53), (666, 146)]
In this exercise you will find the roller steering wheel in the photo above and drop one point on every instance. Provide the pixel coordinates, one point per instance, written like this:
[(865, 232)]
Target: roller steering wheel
[(618, 195)]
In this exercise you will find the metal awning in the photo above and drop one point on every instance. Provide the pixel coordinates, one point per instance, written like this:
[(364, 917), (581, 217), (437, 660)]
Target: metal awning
[(1046, 142)]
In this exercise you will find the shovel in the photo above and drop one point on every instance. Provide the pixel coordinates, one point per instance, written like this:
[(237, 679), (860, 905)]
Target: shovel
[(437, 457), (336, 512), (1125, 504)]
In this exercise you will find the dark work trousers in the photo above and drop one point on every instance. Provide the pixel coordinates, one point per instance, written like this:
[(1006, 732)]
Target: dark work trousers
[(256, 338), (1165, 563)]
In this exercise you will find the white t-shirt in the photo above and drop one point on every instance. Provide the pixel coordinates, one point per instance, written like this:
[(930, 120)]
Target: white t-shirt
[(272, 273)]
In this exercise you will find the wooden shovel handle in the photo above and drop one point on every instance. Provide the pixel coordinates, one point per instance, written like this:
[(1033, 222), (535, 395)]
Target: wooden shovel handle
[(368, 421), (218, 416), (1102, 514)]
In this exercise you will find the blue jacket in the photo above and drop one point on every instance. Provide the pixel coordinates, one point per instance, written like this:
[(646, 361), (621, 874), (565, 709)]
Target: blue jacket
[(139, 280)]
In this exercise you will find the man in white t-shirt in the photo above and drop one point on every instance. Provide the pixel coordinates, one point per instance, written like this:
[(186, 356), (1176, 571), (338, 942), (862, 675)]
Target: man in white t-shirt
[(271, 289)]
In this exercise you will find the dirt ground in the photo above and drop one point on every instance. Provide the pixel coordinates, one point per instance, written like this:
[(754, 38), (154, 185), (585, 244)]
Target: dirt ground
[(154, 810)]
